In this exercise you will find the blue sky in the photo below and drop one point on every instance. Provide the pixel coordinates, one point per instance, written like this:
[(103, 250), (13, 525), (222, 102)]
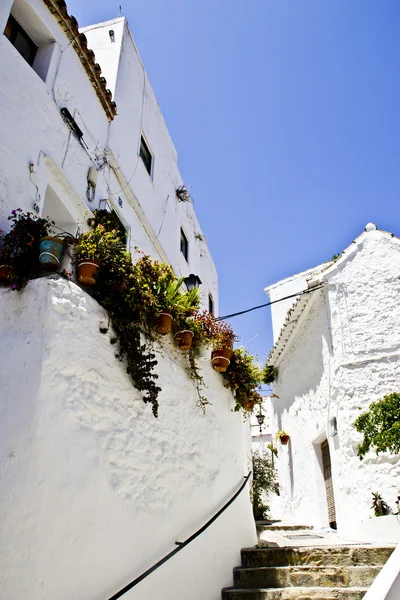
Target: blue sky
[(285, 117)]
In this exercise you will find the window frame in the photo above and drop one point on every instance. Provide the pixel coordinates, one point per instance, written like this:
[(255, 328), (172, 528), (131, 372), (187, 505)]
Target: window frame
[(16, 29), (184, 248)]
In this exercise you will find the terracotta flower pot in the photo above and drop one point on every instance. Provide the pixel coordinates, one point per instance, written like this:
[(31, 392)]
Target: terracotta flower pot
[(87, 272), (5, 272), (248, 404), (51, 250), (164, 323), (221, 359), (284, 440), (184, 339)]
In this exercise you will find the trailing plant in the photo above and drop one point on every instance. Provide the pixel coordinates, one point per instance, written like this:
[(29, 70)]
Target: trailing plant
[(379, 505), (243, 377), (20, 246), (263, 483), (380, 425), (269, 374), (217, 333)]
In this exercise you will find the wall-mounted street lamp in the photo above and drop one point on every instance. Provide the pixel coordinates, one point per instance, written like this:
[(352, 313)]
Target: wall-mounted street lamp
[(192, 282), (260, 419)]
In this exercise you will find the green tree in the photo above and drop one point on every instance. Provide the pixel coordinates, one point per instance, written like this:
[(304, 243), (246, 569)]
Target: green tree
[(380, 425)]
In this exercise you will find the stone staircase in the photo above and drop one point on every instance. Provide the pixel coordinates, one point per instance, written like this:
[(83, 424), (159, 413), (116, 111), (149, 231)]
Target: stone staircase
[(306, 572)]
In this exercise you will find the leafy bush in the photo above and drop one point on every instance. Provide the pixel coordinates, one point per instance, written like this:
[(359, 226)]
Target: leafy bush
[(263, 483), (380, 425)]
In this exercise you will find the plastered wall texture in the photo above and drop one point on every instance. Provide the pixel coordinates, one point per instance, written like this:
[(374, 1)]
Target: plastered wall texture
[(343, 354), (94, 489)]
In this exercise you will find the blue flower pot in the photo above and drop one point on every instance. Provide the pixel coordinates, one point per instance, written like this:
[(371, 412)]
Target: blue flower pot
[(51, 250)]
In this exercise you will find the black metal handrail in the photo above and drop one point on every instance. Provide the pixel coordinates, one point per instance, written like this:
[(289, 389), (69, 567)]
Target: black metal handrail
[(181, 545)]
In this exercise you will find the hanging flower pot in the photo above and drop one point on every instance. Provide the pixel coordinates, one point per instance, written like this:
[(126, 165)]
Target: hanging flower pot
[(164, 323), (51, 250), (221, 359), (184, 339), (249, 404), (87, 272), (283, 437), (5, 272)]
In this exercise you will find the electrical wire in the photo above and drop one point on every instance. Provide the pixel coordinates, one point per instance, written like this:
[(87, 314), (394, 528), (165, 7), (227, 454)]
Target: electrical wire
[(242, 312)]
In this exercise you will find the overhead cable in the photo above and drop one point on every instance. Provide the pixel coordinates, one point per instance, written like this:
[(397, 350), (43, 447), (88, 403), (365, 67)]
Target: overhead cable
[(242, 312)]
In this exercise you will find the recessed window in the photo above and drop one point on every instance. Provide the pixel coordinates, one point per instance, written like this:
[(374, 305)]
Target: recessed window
[(20, 40), (30, 37), (210, 304), (184, 245), (145, 155)]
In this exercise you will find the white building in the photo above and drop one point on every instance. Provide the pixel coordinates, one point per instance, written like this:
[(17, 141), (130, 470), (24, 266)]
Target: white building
[(336, 350), (93, 489)]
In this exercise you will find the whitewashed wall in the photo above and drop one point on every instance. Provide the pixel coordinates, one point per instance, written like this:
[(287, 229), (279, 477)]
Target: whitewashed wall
[(94, 489), (343, 354), (139, 113)]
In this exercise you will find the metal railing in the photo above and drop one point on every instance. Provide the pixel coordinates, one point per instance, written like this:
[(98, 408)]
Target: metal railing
[(181, 545)]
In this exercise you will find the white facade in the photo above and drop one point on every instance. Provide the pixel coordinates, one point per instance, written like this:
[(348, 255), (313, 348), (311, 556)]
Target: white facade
[(338, 350), (94, 489), (44, 167)]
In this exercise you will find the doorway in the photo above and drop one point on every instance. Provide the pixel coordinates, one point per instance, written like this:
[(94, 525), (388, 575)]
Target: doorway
[(327, 472)]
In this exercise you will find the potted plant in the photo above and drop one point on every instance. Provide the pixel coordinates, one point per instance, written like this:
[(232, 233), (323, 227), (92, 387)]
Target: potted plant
[(95, 247), (269, 374), (283, 437), (381, 508), (244, 378), (186, 327), (249, 400), (220, 336), (52, 247)]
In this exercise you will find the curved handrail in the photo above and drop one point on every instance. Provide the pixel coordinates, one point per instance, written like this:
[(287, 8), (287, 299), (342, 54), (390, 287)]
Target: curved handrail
[(181, 545)]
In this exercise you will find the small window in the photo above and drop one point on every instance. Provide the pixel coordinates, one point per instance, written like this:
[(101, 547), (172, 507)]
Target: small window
[(210, 304), (20, 40), (145, 155), (184, 245)]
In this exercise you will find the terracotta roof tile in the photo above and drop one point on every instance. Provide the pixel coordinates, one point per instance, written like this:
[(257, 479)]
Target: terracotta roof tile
[(79, 42)]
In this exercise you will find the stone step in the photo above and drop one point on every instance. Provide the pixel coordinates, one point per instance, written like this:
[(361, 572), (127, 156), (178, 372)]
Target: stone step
[(275, 527), (304, 576), (316, 556), (298, 593)]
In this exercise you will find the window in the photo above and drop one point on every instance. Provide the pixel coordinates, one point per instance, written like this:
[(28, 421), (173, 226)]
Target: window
[(20, 40), (145, 155), (184, 245), (30, 37), (210, 304)]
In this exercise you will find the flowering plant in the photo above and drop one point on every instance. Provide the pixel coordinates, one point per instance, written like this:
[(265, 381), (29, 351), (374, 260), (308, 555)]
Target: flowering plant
[(20, 246), (213, 331)]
